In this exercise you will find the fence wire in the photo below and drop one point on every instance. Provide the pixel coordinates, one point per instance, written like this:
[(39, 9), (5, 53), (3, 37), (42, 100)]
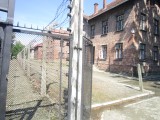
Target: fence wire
[(37, 78)]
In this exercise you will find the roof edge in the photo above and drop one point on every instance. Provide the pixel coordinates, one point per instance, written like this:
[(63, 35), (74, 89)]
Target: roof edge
[(101, 11)]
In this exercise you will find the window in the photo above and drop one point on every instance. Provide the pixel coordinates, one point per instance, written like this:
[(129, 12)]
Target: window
[(155, 53), (151, 3), (119, 24), (92, 30), (103, 52), (142, 49), (156, 27), (119, 50), (143, 22), (104, 27)]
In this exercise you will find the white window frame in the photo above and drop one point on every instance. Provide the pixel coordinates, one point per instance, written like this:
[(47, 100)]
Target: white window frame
[(119, 50), (103, 52)]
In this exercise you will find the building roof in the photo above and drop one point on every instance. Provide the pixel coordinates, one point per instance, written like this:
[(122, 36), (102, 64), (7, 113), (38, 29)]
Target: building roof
[(60, 31), (85, 17), (38, 45), (108, 7)]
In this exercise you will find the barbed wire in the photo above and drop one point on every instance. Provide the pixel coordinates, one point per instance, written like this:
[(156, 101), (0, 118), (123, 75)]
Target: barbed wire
[(62, 23), (59, 12)]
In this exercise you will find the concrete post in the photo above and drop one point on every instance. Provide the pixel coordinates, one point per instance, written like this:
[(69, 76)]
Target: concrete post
[(43, 69), (28, 61), (75, 76), (140, 77), (24, 58), (80, 62)]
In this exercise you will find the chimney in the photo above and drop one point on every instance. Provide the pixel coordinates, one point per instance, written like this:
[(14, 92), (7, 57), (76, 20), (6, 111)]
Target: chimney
[(104, 4), (95, 8)]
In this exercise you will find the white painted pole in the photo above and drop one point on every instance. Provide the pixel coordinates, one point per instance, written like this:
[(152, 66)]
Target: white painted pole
[(72, 112), (75, 97), (80, 61)]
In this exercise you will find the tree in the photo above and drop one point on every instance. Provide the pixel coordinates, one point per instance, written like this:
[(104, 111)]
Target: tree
[(16, 48)]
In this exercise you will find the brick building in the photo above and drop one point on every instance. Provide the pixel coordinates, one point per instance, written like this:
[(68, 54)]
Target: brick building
[(125, 33), (38, 51), (53, 48)]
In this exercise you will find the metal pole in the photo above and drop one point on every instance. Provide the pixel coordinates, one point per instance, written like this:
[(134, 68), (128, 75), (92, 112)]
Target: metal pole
[(6, 58)]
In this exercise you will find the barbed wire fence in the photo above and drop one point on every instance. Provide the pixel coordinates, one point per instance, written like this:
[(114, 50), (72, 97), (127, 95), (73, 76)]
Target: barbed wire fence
[(41, 70)]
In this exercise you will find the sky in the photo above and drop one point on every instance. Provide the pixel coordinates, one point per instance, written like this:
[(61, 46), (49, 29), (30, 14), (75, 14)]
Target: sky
[(41, 12)]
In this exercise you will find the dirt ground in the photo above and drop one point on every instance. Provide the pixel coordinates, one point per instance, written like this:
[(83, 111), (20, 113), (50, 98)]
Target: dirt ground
[(23, 101)]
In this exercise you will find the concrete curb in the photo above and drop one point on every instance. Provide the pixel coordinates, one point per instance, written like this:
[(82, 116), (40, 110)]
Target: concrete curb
[(123, 100)]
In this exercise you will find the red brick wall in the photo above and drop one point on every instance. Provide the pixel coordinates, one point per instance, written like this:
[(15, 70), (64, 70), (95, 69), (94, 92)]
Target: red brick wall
[(53, 50), (131, 11), (38, 53)]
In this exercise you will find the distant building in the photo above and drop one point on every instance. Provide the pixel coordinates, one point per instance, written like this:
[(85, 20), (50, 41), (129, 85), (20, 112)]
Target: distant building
[(125, 33), (53, 48), (31, 53), (38, 51)]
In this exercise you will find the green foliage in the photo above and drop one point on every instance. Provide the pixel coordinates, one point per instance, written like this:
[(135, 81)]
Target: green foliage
[(16, 48)]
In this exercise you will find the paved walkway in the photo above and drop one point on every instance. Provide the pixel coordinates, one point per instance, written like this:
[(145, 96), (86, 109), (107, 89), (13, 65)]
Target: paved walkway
[(116, 91), (23, 102), (107, 87), (148, 109)]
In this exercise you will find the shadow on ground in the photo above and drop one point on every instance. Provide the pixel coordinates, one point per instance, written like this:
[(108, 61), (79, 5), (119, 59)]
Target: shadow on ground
[(26, 113)]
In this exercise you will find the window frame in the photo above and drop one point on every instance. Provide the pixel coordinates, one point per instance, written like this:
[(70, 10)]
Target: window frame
[(119, 51), (142, 51), (92, 30), (156, 27), (103, 52), (143, 22), (104, 27), (155, 53), (119, 22)]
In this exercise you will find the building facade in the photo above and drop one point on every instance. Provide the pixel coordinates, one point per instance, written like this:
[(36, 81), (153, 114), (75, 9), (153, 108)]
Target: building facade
[(125, 33), (38, 51), (52, 47)]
